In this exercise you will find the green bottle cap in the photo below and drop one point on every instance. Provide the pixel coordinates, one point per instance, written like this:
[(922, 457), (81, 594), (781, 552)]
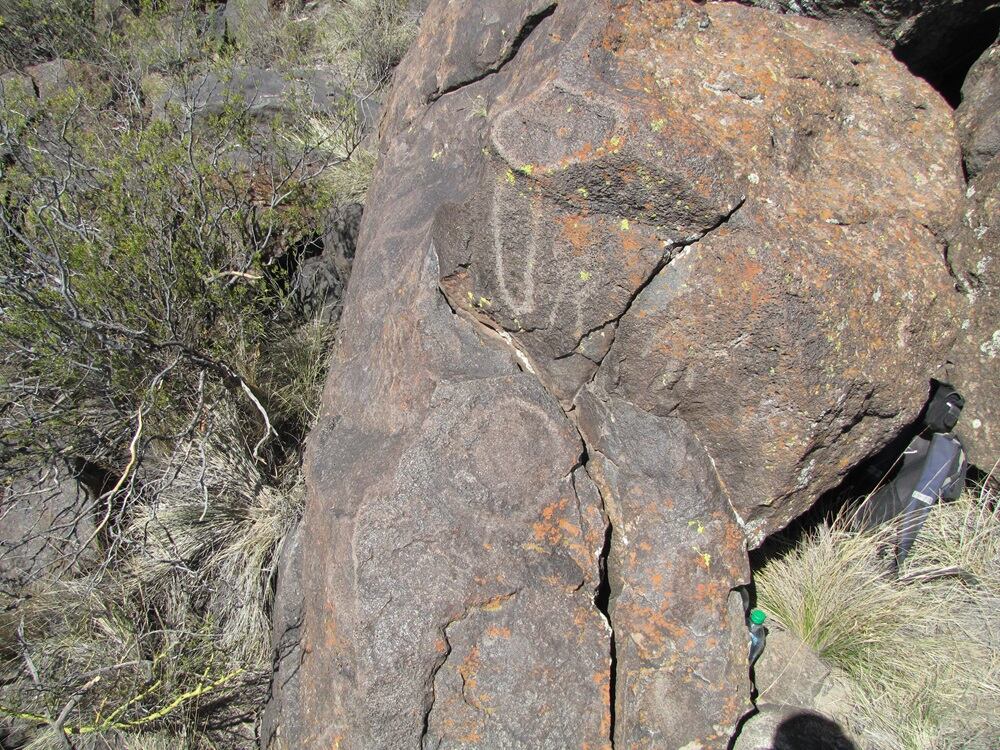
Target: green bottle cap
[(757, 616)]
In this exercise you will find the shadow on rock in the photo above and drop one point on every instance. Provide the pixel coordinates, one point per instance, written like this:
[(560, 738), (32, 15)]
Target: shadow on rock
[(810, 731)]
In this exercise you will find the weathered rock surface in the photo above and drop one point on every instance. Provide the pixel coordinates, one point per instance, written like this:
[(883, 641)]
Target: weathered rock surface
[(636, 283), (791, 728), (266, 94), (933, 37), (243, 17), (286, 624), (319, 281), (974, 255), (52, 79), (789, 674), (46, 520), (979, 113)]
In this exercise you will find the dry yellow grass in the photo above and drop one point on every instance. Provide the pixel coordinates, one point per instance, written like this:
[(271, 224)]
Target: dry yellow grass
[(922, 651)]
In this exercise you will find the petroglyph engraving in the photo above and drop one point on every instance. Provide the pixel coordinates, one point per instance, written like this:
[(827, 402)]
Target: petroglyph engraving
[(509, 210)]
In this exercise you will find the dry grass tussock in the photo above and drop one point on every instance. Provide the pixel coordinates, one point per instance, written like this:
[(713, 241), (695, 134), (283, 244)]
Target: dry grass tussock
[(921, 651), (216, 518), (168, 643)]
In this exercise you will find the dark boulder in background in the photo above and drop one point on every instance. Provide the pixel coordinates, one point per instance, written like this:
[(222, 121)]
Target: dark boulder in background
[(47, 521)]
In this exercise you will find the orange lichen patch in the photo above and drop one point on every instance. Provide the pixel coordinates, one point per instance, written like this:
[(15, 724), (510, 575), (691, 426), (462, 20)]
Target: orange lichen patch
[(470, 667), (581, 154), (498, 631), (711, 592), (331, 638), (548, 529), (494, 604), (577, 232), (654, 625), (569, 527), (603, 682)]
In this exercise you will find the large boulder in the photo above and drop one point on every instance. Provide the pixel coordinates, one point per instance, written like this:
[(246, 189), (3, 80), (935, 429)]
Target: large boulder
[(636, 283), (974, 258)]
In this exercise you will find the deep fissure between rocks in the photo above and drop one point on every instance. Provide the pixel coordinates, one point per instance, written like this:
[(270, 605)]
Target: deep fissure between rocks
[(602, 600)]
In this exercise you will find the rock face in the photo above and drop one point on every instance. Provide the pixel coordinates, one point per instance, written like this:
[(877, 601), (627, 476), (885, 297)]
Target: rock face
[(319, 281), (47, 519), (636, 283), (933, 37), (974, 254), (974, 257), (979, 113)]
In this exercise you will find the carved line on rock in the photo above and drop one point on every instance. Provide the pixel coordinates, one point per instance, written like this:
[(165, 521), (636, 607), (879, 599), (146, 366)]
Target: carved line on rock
[(496, 601), (527, 305)]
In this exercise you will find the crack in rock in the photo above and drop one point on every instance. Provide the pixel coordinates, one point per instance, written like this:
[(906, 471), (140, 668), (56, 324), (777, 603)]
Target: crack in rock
[(530, 24)]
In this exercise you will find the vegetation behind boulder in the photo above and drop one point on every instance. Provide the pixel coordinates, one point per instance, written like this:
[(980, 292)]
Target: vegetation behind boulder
[(155, 210)]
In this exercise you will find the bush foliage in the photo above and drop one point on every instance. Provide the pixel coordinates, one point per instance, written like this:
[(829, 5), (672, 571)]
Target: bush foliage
[(151, 341)]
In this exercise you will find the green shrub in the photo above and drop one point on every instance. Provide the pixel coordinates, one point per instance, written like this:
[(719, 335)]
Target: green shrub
[(149, 336), (32, 31), (370, 36)]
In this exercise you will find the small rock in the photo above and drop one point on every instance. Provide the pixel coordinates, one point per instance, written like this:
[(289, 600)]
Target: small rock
[(789, 673), (792, 728), (47, 518)]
